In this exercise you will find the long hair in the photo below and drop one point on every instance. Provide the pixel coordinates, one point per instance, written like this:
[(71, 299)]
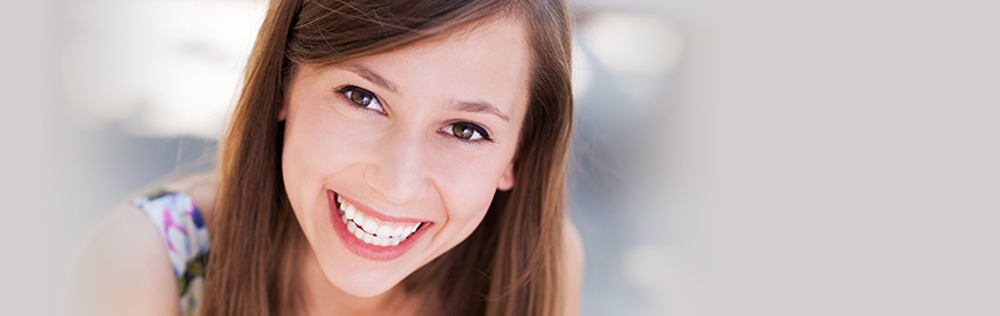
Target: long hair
[(510, 265)]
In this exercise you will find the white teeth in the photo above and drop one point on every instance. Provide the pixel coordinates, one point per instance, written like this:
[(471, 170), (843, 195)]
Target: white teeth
[(370, 226), (384, 231), (369, 231), (349, 212), (383, 237)]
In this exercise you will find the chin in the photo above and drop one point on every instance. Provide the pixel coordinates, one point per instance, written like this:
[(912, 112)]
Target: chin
[(368, 253), (360, 278)]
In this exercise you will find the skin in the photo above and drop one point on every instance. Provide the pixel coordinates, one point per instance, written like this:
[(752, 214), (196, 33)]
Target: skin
[(402, 159)]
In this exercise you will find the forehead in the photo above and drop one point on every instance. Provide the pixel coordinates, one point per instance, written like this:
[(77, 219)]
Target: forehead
[(488, 62)]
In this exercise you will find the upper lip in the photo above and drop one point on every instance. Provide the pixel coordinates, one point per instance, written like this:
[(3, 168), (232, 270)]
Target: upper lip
[(370, 212)]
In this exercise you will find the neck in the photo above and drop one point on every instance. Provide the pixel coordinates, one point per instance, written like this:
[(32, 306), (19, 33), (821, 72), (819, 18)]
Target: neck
[(322, 298)]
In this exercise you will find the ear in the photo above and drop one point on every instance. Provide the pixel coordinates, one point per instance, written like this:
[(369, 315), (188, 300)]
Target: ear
[(507, 179), (282, 112)]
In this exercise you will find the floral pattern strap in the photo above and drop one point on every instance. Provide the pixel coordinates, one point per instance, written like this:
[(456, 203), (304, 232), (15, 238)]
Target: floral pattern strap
[(183, 230)]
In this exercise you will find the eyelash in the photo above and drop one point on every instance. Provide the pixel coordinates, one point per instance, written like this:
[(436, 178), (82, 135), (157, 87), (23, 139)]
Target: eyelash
[(348, 92), (476, 130)]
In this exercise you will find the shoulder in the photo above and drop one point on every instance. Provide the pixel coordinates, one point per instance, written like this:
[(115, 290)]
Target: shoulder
[(124, 267), (200, 187), (573, 261)]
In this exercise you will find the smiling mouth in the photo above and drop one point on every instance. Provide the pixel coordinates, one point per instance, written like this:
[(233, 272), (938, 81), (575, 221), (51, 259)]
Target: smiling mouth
[(371, 230)]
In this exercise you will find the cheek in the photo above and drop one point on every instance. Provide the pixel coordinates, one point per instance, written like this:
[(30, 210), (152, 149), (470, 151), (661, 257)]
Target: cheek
[(466, 206), (466, 203), (314, 150), (469, 182)]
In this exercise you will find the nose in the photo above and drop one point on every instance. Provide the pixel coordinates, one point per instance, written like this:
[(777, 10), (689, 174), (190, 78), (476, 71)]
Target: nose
[(398, 172)]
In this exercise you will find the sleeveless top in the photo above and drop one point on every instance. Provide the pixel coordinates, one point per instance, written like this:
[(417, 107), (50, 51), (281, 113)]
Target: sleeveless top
[(183, 230)]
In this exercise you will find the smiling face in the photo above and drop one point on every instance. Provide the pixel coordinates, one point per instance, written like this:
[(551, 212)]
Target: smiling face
[(391, 160)]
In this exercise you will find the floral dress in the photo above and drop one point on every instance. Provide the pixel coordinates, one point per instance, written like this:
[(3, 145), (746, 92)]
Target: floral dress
[(183, 230)]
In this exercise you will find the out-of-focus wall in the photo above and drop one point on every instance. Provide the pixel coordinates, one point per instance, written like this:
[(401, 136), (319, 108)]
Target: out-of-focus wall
[(27, 72)]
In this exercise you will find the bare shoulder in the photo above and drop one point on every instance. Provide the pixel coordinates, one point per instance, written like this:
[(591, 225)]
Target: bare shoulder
[(573, 259), (123, 268)]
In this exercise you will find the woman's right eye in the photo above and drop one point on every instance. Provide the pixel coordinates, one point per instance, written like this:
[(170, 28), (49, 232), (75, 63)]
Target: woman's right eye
[(362, 98)]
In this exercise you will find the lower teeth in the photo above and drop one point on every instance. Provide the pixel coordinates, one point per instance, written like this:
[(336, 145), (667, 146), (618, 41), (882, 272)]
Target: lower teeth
[(372, 239)]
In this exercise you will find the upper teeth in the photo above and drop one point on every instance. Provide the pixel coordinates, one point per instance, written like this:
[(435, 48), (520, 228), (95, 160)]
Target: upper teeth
[(367, 230)]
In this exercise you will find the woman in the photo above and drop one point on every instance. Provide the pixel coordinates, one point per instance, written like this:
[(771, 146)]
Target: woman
[(384, 158)]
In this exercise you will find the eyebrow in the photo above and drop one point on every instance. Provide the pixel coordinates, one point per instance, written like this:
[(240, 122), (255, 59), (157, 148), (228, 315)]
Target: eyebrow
[(370, 75), (480, 107)]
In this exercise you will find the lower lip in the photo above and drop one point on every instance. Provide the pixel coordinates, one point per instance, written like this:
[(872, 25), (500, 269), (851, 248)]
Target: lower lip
[(362, 249)]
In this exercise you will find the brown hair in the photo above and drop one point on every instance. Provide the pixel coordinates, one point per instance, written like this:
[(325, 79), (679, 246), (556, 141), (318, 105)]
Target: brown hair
[(511, 263)]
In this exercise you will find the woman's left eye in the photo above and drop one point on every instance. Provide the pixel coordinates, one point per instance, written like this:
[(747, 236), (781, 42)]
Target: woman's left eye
[(467, 131), (362, 98)]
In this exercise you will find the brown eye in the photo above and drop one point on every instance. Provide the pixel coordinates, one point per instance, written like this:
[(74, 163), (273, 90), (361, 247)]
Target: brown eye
[(467, 131), (361, 97), (462, 131)]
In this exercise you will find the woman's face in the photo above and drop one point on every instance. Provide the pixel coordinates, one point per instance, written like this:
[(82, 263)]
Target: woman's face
[(393, 159)]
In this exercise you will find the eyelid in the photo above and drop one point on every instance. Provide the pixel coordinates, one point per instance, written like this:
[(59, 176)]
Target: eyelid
[(342, 91), (484, 134), (477, 128)]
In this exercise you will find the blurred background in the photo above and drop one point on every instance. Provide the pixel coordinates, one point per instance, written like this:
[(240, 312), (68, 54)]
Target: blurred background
[(730, 158)]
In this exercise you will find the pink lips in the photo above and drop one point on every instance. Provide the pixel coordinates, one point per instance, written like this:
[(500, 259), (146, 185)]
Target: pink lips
[(362, 249)]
